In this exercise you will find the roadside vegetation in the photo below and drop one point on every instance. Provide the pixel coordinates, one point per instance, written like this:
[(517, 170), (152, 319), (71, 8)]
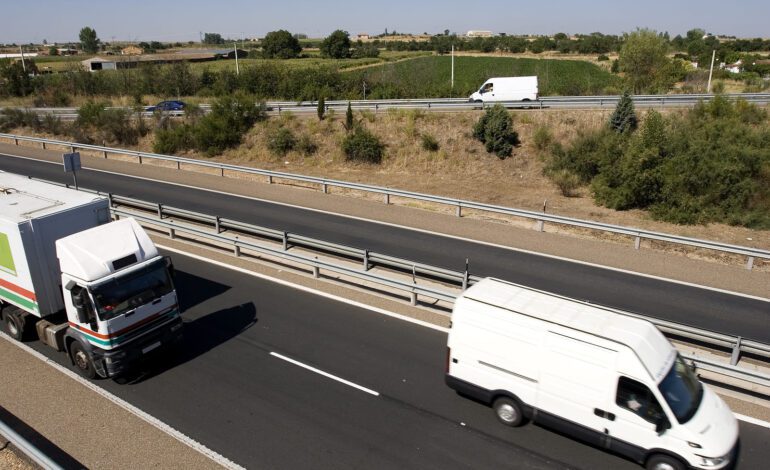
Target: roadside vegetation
[(708, 164)]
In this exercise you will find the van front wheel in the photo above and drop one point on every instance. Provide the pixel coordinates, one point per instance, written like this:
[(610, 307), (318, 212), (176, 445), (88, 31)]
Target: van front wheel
[(664, 462), (508, 411)]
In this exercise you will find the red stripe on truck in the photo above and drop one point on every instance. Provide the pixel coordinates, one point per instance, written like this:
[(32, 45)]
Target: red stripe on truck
[(19, 290)]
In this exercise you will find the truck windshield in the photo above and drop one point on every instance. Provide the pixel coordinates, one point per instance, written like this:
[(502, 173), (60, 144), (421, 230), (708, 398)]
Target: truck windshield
[(682, 390), (125, 293)]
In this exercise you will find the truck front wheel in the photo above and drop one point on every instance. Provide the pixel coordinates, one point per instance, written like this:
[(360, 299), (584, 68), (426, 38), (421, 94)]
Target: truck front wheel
[(14, 325), (82, 361)]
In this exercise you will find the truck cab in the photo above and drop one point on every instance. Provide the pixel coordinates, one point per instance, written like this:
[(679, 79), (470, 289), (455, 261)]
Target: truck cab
[(119, 297)]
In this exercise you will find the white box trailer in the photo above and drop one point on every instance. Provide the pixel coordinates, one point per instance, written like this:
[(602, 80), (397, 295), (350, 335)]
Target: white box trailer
[(605, 378), (507, 89), (100, 290)]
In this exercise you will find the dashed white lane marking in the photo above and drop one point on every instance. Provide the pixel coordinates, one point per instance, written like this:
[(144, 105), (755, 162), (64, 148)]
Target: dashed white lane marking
[(750, 420), (325, 374), (153, 421)]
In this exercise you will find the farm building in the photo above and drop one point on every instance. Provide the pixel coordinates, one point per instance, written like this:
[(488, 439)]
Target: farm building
[(131, 61)]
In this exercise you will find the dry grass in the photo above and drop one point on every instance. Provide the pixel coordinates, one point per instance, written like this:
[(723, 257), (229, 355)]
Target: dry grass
[(461, 168)]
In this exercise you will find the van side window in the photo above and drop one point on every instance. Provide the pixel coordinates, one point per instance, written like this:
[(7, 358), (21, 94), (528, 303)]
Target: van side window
[(637, 398), (488, 87)]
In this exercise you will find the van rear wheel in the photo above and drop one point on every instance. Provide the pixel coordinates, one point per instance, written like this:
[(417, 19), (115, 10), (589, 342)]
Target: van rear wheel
[(508, 411), (664, 462)]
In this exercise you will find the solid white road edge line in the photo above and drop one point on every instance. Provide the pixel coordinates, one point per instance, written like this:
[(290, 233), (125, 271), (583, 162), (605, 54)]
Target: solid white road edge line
[(153, 421), (337, 298), (430, 232), (325, 374), (306, 289)]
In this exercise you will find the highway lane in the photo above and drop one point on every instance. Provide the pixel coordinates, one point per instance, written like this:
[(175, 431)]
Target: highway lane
[(716, 311), (225, 390)]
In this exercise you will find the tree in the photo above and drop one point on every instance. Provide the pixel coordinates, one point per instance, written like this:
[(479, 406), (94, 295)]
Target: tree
[(336, 45), (495, 130), (349, 122), (89, 42), (644, 61), (213, 38), (17, 80), (321, 110), (624, 118), (281, 45)]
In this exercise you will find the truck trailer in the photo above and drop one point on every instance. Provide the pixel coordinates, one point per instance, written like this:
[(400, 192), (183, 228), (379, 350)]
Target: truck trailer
[(591, 373), (97, 290)]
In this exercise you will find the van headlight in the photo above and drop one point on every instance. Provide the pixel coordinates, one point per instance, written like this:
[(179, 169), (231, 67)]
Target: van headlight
[(712, 461)]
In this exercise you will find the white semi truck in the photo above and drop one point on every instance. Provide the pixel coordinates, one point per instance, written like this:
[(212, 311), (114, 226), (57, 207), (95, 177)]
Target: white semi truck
[(95, 289)]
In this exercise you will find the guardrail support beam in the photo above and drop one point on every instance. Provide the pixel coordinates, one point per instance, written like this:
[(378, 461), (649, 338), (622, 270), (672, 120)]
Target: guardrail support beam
[(366, 260), (42, 145), (325, 188), (637, 242), (736, 355), (459, 211), (269, 179), (750, 263), (216, 224), (171, 233), (316, 272), (237, 250), (413, 299), (540, 225), (285, 241), (387, 199)]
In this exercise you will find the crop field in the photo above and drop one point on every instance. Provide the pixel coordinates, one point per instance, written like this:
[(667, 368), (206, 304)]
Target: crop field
[(430, 76)]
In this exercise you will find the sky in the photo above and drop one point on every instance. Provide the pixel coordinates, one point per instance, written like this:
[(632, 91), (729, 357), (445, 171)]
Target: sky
[(182, 20)]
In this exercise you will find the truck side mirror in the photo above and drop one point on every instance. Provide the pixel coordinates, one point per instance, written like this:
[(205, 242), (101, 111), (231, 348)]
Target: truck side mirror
[(79, 304), (170, 266)]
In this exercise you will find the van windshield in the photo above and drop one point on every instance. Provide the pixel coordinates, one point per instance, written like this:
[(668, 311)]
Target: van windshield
[(682, 390), (124, 293)]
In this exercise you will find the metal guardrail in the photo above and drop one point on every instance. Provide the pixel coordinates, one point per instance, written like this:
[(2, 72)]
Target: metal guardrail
[(28, 448), (736, 344), (324, 184)]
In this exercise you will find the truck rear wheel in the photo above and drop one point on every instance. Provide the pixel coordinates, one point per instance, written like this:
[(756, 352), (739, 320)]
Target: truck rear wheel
[(508, 411), (82, 361), (14, 325)]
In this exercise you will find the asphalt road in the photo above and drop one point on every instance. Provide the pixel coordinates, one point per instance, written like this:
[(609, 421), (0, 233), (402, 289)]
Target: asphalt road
[(708, 309), (227, 389)]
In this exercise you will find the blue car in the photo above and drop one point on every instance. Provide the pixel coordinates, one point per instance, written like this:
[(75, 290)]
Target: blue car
[(173, 105)]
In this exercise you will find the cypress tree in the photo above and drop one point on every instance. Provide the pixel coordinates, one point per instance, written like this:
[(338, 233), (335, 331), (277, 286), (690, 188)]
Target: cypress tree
[(624, 118), (321, 108)]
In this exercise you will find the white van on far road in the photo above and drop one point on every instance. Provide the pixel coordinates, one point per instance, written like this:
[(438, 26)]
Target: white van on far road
[(507, 89), (592, 373)]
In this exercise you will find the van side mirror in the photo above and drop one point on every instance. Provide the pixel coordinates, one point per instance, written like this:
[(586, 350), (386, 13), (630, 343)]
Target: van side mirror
[(661, 425)]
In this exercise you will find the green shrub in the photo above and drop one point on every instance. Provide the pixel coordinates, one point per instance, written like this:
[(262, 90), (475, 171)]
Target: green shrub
[(306, 145), (173, 139), (623, 119), (495, 130), (281, 141), (363, 146), (321, 109), (567, 182), (542, 138), (231, 116), (429, 143), (602, 58), (90, 113)]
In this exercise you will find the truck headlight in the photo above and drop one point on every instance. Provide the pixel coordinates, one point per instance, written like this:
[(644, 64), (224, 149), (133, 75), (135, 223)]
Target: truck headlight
[(712, 461)]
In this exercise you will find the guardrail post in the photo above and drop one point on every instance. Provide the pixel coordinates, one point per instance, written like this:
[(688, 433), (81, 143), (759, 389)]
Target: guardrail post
[(178, 165), (413, 299), (750, 263), (140, 159), (237, 250), (736, 355), (325, 188), (387, 199), (160, 211), (366, 260), (72, 148), (637, 242), (540, 225), (104, 153), (376, 107), (459, 211), (285, 241), (171, 233), (216, 224), (222, 172), (269, 179), (42, 145)]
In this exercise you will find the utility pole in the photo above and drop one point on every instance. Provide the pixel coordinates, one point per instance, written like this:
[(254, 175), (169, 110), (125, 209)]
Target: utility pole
[(237, 70), (453, 66), (23, 64), (711, 70)]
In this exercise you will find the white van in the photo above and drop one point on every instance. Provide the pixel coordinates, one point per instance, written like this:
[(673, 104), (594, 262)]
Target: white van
[(591, 373), (507, 89)]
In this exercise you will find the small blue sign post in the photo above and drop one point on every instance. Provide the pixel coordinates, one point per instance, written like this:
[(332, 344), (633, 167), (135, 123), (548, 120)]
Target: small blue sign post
[(72, 164)]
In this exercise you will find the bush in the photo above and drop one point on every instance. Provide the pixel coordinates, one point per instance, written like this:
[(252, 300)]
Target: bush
[(363, 146), (495, 130), (624, 119), (429, 143), (602, 58), (231, 116), (306, 145), (173, 139), (542, 138), (90, 113), (567, 183), (281, 141), (321, 109)]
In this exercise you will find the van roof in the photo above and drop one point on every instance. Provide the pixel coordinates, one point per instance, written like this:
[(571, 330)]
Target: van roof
[(22, 199), (649, 344)]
